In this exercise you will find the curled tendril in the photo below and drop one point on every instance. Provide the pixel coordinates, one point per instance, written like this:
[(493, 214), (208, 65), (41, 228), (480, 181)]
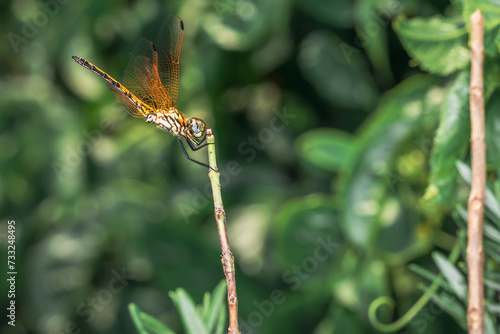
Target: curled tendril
[(401, 322), (413, 311)]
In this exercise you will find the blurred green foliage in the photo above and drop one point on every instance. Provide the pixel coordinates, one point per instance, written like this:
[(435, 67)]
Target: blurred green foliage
[(209, 317), (338, 128)]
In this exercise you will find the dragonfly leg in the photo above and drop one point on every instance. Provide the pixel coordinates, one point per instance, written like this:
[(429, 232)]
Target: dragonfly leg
[(189, 158), (193, 145)]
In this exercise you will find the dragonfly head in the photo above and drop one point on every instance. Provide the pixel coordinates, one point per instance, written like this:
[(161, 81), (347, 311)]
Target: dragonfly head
[(196, 129)]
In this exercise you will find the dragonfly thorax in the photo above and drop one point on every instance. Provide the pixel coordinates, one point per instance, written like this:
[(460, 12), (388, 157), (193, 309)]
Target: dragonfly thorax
[(171, 120)]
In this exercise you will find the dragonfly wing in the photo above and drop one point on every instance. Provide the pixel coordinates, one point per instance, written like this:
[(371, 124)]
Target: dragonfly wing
[(169, 44), (132, 104), (141, 75)]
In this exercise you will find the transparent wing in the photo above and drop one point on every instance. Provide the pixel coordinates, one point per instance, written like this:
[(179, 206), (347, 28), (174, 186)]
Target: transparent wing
[(141, 76), (132, 104), (168, 45)]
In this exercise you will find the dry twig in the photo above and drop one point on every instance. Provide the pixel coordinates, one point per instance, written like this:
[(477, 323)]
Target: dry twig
[(475, 254)]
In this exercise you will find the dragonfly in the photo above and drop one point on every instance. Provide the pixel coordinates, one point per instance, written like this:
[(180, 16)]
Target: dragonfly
[(150, 86)]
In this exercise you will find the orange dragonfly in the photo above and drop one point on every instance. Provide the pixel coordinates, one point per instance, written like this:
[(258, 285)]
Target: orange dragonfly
[(151, 85)]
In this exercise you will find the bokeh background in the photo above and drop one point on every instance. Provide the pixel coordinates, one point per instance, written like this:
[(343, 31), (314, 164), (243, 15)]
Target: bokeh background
[(108, 211)]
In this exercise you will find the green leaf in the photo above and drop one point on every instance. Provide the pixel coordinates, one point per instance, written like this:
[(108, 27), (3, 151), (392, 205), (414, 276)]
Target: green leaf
[(457, 5), (491, 80), (326, 148), (452, 275), (460, 216), (422, 272), (450, 143), (491, 232), (244, 25), (359, 281), (221, 322), (339, 320), (439, 44), (335, 13), (134, 313), (492, 284), (493, 308), (492, 249), (489, 324), (450, 305), (491, 12), (187, 309), (490, 201), (430, 276), (308, 228), (146, 324), (216, 306), (372, 18), (337, 71), (205, 307), (404, 112), (154, 326), (465, 171), (492, 131), (491, 279)]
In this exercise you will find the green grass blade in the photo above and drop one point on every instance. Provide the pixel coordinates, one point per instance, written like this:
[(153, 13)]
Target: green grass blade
[(191, 319)]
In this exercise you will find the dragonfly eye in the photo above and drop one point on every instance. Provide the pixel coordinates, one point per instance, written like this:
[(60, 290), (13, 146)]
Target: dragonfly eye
[(197, 127)]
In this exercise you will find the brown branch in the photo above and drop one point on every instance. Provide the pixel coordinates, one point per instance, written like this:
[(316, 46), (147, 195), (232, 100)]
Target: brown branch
[(227, 256), (475, 254)]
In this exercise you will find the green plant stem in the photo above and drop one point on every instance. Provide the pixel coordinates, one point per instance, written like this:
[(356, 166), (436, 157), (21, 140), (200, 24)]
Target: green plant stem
[(220, 218)]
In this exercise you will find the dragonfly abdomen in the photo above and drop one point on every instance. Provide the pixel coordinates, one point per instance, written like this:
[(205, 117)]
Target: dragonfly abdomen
[(134, 106)]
